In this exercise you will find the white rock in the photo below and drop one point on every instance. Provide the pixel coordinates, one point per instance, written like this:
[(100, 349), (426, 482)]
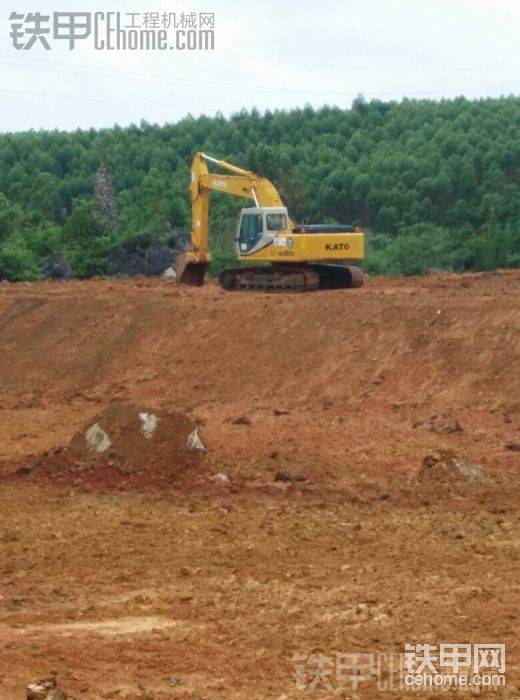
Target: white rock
[(43, 690), (220, 478), (194, 442), (149, 424), (97, 440), (169, 272)]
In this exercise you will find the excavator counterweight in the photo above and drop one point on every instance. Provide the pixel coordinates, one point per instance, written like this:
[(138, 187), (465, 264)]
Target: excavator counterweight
[(292, 258)]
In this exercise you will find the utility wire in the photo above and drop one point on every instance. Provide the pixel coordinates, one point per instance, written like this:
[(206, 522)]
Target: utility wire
[(206, 84), (95, 99), (371, 69), (338, 66), (173, 81)]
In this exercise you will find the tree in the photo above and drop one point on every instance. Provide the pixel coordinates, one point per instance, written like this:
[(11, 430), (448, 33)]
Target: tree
[(10, 217), (388, 219), (450, 165)]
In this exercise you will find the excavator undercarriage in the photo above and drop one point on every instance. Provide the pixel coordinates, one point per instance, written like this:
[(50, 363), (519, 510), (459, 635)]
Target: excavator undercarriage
[(282, 278)]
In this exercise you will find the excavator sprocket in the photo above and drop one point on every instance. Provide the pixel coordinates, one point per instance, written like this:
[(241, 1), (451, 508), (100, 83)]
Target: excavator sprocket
[(339, 276), (278, 278)]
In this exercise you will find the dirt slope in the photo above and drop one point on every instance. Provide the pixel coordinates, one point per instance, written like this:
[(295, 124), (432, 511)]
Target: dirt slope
[(321, 409), (446, 337)]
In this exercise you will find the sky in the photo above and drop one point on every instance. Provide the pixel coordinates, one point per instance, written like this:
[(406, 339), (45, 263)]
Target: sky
[(274, 54)]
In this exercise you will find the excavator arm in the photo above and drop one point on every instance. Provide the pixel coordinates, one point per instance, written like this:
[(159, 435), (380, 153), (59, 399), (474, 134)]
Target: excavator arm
[(192, 265)]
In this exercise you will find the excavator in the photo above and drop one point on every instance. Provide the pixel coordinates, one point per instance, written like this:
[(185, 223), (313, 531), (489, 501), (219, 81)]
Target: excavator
[(285, 257)]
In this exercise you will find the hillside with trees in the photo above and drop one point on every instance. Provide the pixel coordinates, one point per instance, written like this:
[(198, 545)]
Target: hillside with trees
[(436, 185)]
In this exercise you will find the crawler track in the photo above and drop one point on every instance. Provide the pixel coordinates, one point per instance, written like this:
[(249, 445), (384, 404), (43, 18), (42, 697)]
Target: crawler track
[(277, 278)]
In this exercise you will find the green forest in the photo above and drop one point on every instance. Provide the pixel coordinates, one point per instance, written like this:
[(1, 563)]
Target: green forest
[(436, 185)]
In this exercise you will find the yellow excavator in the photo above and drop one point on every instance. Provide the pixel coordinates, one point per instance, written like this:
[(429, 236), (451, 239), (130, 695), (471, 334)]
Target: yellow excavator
[(300, 258)]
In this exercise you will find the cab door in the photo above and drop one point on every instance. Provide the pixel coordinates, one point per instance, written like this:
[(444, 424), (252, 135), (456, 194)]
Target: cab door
[(250, 232)]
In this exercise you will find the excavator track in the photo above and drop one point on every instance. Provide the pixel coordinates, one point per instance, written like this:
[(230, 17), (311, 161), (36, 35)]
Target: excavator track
[(278, 278), (339, 276), (270, 278)]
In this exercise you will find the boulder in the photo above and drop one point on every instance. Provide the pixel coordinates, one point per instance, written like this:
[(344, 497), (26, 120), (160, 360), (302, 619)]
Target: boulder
[(96, 439), (446, 466), (194, 442), (46, 689), (220, 478), (148, 424)]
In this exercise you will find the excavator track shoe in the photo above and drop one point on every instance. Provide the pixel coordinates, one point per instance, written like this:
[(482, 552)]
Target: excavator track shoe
[(270, 279)]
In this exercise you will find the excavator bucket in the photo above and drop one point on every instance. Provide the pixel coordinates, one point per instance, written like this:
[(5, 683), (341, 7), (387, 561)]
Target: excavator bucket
[(191, 273)]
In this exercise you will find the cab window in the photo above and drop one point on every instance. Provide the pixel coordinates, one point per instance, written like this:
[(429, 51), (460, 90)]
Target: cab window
[(250, 231), (276, 222)]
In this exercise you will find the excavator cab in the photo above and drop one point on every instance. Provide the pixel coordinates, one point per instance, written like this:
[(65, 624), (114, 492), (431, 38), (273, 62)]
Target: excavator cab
[(258, 227)]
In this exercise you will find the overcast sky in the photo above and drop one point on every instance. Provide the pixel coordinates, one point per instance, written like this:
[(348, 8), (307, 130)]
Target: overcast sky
[(271, 54)]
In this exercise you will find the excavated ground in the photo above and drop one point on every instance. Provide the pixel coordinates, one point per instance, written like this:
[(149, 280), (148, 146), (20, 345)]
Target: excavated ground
[(136, 575)]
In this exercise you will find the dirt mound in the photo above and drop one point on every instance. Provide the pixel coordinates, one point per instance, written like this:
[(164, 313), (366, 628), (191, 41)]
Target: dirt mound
[(139, 449)]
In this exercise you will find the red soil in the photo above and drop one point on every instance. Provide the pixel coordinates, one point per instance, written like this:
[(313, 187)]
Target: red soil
[(134, 575)]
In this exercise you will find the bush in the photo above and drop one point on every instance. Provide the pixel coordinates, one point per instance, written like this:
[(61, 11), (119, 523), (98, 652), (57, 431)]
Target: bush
[(18, 262), (421, 248)]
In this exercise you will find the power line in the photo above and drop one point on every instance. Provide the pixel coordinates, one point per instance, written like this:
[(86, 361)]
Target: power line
[(168, 80), (93, 99), (182, 81), (336, 66), (101, 72), (170, 108), (372, 69)]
